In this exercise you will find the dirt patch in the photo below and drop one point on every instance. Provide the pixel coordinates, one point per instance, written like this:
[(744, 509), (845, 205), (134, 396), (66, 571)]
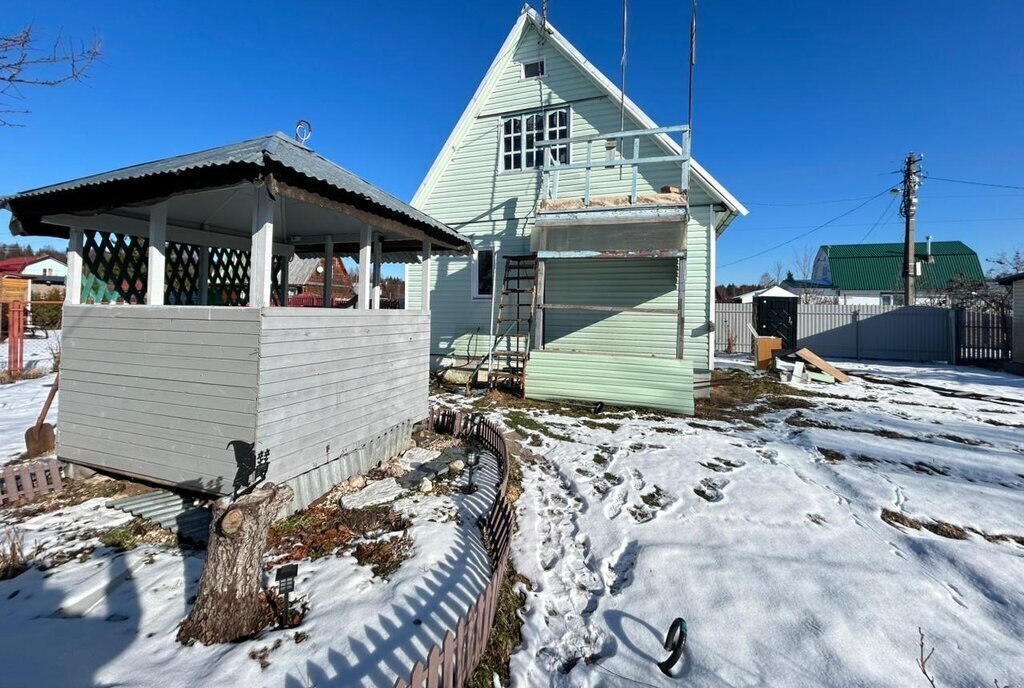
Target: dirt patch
[(529, 426), (799, 420), (897, 520), (926, 468), (137, 532), (831, 455), (601, 425), (969, 441), (946, 530), (384, 556), (739, 396), (329, 528)]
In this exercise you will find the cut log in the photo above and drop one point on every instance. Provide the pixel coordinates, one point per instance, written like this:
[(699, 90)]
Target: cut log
[(228, 606), (821, 364)]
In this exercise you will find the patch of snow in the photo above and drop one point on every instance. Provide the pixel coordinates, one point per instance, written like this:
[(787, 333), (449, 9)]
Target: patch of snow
[(20, 404), (774, 553), (378, 492)]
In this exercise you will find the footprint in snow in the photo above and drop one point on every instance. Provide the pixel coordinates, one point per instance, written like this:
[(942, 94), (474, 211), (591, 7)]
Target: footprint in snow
[(710, 489), (720, 465), (618, 570)]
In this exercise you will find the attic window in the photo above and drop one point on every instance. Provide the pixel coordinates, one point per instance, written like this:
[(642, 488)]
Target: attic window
[(533, 70)]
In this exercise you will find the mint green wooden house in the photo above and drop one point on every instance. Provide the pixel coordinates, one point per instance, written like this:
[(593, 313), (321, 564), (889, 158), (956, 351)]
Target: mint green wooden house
[(549, 160)]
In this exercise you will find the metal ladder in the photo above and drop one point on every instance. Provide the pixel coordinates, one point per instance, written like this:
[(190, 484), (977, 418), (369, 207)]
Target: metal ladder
[(514, 323)]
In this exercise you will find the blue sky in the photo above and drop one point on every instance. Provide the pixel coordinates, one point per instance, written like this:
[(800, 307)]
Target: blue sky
[(798, 102)]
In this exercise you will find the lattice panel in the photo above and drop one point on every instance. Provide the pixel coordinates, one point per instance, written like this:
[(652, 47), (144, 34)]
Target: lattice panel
[(113, 268), (229, 277), (182, 278)]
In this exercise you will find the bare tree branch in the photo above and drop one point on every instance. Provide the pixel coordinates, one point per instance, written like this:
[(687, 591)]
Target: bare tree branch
[(24, 64), (922, 662)]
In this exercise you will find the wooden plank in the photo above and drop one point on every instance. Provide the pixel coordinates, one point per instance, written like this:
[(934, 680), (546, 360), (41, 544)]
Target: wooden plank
[(159, 384), (140, 311), (299, 349), (339, 382), (114, 388), (190, 336), (74, 353), (221, 455), (154, 349), (143, 372), (72, 397), (810, 357), (214, 437), (329, 401)]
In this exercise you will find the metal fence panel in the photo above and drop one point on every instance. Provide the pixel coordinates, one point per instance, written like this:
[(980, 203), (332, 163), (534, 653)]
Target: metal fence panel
[(896, 333)]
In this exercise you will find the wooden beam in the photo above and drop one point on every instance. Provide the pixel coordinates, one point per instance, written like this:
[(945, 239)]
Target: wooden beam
[(382, 223), (73, 281), (282, 297), (204, 276), (156, 255), (262, 248), (425, 277), (376, 271), (139, 227), (365, 268), (328, 272)]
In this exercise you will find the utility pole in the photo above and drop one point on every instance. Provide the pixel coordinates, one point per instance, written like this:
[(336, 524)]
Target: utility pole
[(908, 209)]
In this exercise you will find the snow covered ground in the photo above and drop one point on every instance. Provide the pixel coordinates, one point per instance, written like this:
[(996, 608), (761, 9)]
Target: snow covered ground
[(108, 618), (20, 404), (767, 537), (763, 529)]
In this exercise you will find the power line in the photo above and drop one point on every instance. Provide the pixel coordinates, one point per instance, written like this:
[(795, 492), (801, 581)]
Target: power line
[(969, 220), (797, 205), (962, 181), (884, 213), (810, 231)]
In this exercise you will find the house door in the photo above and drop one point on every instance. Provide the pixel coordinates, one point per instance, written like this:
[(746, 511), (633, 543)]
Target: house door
[(776, 317)]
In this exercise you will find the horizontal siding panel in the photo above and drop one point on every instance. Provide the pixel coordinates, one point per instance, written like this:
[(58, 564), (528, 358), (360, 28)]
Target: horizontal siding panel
[(661, 383), (331, 381)]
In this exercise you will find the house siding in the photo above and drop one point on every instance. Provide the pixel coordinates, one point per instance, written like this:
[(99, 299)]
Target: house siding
[(610, 379), (492, 207)]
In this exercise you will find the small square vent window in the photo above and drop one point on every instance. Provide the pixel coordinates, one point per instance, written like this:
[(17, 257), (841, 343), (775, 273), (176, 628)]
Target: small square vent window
[(533, 70)]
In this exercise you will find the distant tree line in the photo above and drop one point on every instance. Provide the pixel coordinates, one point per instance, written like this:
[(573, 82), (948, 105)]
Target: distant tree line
[(18, 251)]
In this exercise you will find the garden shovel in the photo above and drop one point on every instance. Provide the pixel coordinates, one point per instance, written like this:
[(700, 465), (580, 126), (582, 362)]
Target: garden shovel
[(40, 438)]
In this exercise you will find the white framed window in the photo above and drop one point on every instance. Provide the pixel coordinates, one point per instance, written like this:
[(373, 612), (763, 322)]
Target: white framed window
[(891, 299), (520, 135), (482, 287), (536, 69)]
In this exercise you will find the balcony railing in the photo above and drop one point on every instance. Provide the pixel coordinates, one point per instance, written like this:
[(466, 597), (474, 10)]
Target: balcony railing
[(553, 170)]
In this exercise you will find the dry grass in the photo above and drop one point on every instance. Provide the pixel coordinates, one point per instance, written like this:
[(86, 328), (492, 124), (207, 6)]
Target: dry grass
[(328, 528), (13, 560), (739, 396), (384, 556), (137, 532)]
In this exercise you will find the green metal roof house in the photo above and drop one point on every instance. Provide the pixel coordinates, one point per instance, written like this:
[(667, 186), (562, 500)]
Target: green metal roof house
[(607, 225), (872, 274)]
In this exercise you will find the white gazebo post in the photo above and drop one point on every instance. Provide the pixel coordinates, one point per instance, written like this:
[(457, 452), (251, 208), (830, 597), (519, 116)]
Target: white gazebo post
[(425, 268), (261, 257), (282, 297), (377, 255), (73, 281), (204, 275), (156, 254), (365, 269), (328, 272)]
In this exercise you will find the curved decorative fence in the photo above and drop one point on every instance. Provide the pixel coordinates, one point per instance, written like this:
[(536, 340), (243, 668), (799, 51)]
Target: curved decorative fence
[(452, 663)]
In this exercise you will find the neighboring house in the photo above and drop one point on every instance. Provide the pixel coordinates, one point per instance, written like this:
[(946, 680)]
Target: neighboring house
[(1016, 284), (306, 278), (625, 284), (40, 269), (872, 274)]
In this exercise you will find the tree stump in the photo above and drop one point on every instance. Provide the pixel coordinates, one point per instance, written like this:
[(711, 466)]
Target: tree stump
[(228, 605)]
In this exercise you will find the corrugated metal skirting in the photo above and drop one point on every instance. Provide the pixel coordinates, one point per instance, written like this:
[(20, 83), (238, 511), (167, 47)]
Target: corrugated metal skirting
[(176, 513), (312, 484)]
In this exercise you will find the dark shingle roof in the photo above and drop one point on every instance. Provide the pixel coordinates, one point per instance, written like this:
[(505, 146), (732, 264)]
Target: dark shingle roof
[(272, 152), (879, 267)]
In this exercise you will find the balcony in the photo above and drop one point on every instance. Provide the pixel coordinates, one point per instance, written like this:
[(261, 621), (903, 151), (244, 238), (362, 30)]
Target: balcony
[(622, 201)]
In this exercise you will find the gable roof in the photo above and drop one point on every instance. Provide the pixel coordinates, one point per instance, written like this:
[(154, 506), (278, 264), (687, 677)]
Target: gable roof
[(246, 160), (879, 267), (529, 16)]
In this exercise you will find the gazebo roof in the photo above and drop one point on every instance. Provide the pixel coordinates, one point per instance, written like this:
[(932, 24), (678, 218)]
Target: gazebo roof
[(276, 159)]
